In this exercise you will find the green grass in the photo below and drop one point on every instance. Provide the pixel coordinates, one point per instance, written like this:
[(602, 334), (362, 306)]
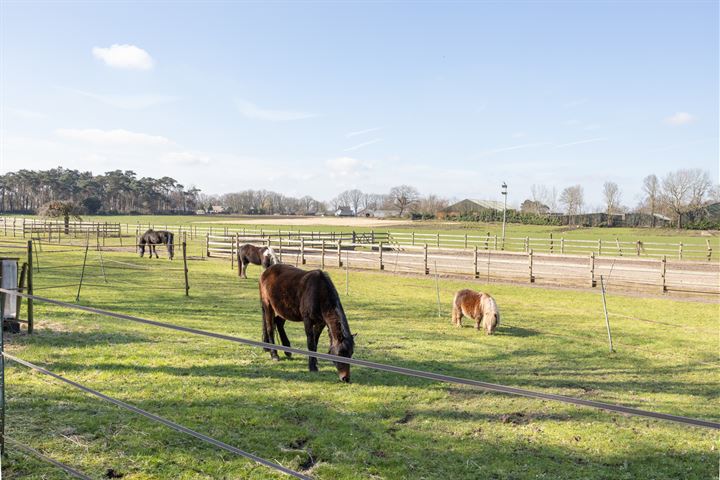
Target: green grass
[(433, 226), (382, 425)]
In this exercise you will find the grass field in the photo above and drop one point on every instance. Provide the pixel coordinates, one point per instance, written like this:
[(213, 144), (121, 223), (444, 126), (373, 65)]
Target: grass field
[(380, 426), (425, 226)]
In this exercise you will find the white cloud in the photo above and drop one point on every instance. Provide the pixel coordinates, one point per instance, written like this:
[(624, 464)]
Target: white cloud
[(345, 166), (124, 56), (112, 137), (580, 142), (185, 158), (250, 110), (26, 114), (127, 102), (361, 132), (361, 145), (680, 118)]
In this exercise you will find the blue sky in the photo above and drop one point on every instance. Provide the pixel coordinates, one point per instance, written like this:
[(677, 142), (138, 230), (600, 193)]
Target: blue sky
[(315, 98)]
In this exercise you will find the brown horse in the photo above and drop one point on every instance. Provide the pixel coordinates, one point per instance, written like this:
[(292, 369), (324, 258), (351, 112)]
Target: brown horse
[(157, 237), (477, 305), (290, 293), (248, 254)]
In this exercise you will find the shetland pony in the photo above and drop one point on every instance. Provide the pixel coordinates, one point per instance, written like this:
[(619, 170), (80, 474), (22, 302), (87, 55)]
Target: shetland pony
[(248, 254), (290, 293), (151, 238), (477, 305)]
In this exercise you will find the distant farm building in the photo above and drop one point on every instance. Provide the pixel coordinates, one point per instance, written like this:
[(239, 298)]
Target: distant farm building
[(217, 209), (378, 213), (344, 212), (470, 206)]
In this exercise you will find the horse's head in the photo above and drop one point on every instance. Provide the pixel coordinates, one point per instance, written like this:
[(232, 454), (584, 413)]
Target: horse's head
[(269, 258), (491, 315), (343, 349)]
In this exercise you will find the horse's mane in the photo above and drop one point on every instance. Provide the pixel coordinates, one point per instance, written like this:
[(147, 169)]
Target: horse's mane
[(335, 299), (271, 252)]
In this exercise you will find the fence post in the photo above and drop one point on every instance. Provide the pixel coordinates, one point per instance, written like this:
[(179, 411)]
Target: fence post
[(527, 244), (592, 269), (30, 307), (372, 237), (562, 245), (709, 255), (617, 242), (380, 249), (475, 263), (466, 240), (339, 252), (551, 243), (427, 270), (680, 251), (599, 247), (322, 254), (530, 265), (607, 320), (663, 269), (638, 247), (496, 245), (185, 267), (2, 374), (487, 241), (413, 237), (302, 250), (82, 272), (232, 253), (280, 248), (438, 239), (207, 244)]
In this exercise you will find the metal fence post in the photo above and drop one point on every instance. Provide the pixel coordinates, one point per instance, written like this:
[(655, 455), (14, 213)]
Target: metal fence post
[(607, 320), (185, 267), (30, 291), (2, 373)]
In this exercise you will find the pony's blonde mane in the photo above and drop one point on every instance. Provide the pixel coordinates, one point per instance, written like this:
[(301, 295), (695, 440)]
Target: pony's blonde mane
[(271, 253)]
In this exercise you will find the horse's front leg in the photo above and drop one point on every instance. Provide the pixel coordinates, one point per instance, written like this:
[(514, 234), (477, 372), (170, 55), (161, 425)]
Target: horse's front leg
[(269, 330), (313, 334), (155, 251), (280, 324), (243, 268)]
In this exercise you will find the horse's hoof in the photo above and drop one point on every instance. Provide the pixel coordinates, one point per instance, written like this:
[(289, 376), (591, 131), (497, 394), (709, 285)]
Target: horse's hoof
[(288, 354)]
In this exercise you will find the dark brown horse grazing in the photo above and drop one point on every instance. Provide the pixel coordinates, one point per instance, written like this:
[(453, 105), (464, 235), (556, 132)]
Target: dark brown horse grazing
[(477, 305), (248, 254), (151, 238), (290, 293)]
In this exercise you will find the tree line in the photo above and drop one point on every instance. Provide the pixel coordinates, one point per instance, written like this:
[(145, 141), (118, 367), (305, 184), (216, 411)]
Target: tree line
[(676, 195), (26, 191)]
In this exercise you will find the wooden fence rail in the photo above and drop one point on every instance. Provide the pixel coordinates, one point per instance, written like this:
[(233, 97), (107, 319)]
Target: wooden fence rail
[(660, 275)]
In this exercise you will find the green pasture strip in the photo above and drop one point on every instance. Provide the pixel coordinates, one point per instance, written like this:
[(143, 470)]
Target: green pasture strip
[(382, 425)]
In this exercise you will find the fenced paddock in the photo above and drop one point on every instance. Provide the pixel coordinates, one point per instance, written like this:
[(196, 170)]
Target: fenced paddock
[(383, 425), (695, 250), (637, 273)]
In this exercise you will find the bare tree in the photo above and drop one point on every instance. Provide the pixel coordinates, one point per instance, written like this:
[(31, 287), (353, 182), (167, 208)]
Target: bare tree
[(651, 189), (611, 193), (683, 190), (573, 199), (352, 198), (431, 204), (403, 197)]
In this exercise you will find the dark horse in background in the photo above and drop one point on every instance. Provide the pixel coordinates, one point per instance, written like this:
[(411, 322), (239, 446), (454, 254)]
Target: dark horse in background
[(248, 254), (290, 293), (151, 238)]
